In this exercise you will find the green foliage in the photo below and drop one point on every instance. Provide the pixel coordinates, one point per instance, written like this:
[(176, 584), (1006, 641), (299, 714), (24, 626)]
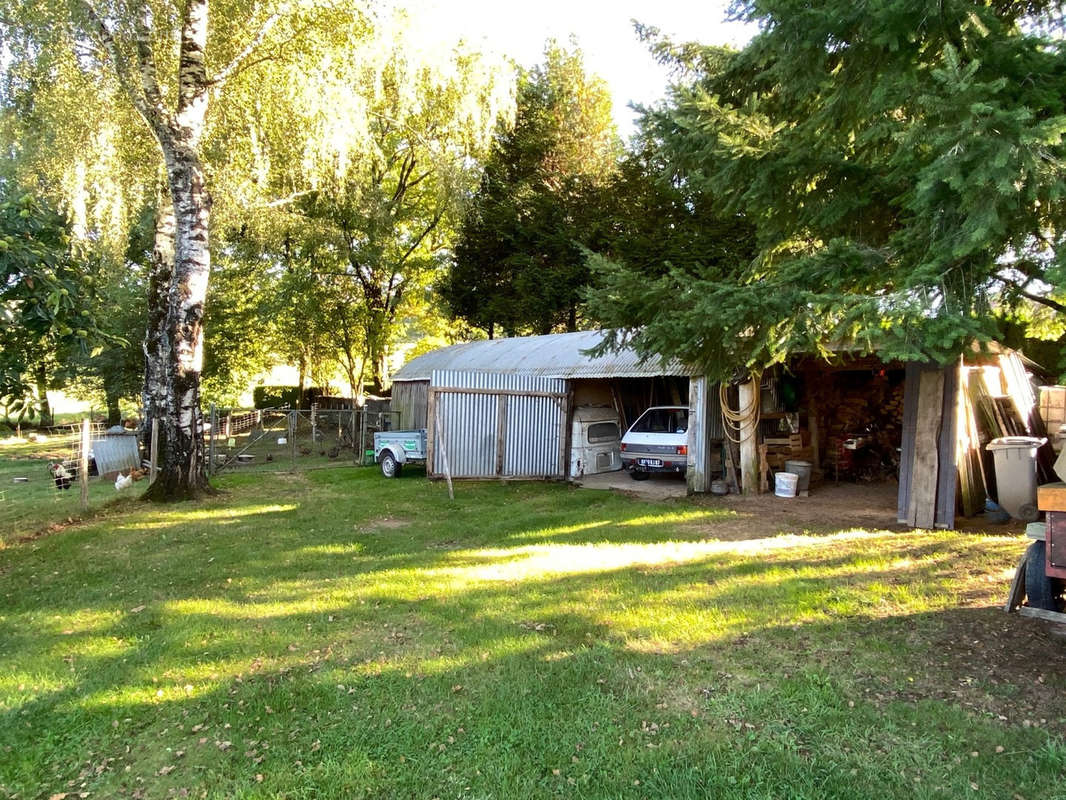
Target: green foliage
[(519, 261), (331, 634), (901, 170), (45, 297)]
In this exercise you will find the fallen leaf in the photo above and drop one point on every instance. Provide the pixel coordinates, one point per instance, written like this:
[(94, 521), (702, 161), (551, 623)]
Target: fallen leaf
[(137, 609)]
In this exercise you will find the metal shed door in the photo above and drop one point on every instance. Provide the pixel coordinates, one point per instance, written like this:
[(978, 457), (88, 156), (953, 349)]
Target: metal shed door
[(497, 425)]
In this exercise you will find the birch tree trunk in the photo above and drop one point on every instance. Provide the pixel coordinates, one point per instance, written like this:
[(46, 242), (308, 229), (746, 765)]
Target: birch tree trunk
[(174, 340), (156, 340)]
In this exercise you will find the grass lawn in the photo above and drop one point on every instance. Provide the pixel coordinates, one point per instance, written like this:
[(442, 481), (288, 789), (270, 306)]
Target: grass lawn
[(332, 634)]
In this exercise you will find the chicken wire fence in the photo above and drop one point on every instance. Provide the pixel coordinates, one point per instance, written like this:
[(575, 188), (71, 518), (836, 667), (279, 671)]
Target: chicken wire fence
[(286, 439)]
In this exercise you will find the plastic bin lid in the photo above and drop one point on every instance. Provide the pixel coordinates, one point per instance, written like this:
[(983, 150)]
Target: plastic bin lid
[(1015, 442)]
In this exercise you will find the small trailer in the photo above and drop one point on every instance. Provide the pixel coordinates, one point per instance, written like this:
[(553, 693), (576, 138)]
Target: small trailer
[(393, 449), (1041, 574)]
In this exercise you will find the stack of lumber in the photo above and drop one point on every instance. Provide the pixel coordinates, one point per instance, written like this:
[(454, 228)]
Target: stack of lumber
[(1053, 412), (784, 447), (873, 408)]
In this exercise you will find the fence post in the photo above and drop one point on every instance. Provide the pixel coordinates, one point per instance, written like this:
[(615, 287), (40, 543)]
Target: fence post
[(153, 452), (83, 464), (211, 441), (314, 425), (292, 439)]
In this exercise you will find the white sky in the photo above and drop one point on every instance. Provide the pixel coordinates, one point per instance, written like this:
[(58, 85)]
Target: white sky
[(603, 29)]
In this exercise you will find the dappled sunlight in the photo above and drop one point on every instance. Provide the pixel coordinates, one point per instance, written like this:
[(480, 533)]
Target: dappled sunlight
[(344, 549), (302, 598), (169, 519), (677, 517), (529, 561), (561, 530)]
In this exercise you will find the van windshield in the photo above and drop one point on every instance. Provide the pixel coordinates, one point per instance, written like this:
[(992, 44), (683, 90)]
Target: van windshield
[(662, 420)]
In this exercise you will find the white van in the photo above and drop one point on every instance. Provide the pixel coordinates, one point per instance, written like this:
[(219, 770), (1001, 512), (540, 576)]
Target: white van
[(657, 442), (594, 441)]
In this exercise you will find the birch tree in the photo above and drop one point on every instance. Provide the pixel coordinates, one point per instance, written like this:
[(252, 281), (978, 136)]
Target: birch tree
[(171, 66)]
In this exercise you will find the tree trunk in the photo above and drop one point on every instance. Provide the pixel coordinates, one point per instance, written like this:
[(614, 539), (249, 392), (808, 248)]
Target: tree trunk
[(41, 377), (183, 475), (114, 411), (156, 339)]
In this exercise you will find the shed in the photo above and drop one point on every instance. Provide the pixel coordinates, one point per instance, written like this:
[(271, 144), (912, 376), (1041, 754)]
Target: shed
[(506, 405), (479, 378)]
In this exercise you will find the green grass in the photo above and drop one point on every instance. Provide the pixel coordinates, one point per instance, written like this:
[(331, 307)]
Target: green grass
[(334, 634), (27, 509)]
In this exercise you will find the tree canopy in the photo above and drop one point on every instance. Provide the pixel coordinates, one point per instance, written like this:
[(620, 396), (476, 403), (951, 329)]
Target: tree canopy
[(519, 263), (901, 166)]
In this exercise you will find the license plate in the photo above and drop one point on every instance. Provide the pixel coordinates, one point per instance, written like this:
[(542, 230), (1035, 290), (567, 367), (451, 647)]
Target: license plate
[(650, 462)]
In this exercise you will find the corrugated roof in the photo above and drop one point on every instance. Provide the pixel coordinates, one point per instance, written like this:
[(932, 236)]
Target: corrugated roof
[(559, 355)]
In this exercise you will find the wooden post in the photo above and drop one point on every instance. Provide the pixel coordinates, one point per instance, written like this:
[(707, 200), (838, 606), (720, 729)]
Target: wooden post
[(314, 425), (153, 451), (229, 425), (443, 453), (749, 446), (809, 379), (431, 433), (83, 464), (211, 441), (501, 432)]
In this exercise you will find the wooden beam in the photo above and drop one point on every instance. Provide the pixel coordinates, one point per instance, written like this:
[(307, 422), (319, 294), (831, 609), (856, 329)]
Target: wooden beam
[(749, 446), (1039, 613)]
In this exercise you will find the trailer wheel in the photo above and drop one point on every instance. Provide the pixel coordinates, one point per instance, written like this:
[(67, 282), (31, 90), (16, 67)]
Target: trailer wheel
[(390, 467), (1041, 590)]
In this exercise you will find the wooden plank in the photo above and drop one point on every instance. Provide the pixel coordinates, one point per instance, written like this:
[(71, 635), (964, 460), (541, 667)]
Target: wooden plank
[(1051, 497), (698, 472), (947, 473), (1039, 613), (906, 460), (1017, 586), (501, 432), (431, 433), (921, 512)]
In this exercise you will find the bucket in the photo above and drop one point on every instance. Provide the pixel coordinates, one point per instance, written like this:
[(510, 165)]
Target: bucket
[(719, 487), (785, 484), (803, 469)]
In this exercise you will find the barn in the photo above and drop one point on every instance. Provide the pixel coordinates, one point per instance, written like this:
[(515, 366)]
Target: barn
[(505, 408)]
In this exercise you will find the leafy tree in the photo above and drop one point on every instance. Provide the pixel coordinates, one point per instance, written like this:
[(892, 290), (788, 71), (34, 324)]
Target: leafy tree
[(519, 261), (376, 217), (45, 300), (901, 168)]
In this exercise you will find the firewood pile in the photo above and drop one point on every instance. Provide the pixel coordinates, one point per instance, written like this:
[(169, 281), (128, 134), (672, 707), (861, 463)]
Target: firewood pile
[(871, 410)]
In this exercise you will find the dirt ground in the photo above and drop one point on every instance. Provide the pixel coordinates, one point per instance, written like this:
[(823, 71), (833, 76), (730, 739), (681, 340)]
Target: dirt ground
[(830, 506)]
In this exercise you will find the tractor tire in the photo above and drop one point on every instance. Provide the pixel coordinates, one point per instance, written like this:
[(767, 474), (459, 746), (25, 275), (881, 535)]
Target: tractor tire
[(390, 467), (1041, 590)]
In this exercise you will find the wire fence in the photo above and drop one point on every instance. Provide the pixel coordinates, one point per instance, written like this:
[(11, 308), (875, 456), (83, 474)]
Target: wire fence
[(283, 439)]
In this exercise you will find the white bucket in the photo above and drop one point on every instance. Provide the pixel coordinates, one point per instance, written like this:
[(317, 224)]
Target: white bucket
[(785, 484)]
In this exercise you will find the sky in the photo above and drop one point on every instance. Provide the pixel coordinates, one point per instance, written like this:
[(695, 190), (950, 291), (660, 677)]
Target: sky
[(604, 31)]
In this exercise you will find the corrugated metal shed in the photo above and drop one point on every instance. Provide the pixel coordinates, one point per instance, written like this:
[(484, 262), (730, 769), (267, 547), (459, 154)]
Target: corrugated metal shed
[(559, 355), (512, 425), (116, 453)]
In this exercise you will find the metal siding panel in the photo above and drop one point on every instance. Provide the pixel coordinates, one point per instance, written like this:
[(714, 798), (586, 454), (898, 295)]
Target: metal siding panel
[(116, 453), (470, 422), (560, 355)]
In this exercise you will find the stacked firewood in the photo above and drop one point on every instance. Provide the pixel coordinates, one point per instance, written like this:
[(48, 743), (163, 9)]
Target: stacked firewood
[(872, 411)]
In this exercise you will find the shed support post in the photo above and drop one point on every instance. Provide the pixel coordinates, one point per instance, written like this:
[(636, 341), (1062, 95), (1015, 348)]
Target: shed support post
[(749, 445)]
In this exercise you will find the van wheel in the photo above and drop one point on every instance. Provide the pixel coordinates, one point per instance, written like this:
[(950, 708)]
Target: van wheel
[(638, 475), (390, 467)]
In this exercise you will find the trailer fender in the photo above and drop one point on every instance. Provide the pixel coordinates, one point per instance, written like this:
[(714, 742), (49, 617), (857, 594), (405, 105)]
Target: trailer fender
[(399, 455)]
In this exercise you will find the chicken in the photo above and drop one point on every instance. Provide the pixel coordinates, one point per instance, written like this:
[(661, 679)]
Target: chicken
[(60, 475), (123, 482)]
